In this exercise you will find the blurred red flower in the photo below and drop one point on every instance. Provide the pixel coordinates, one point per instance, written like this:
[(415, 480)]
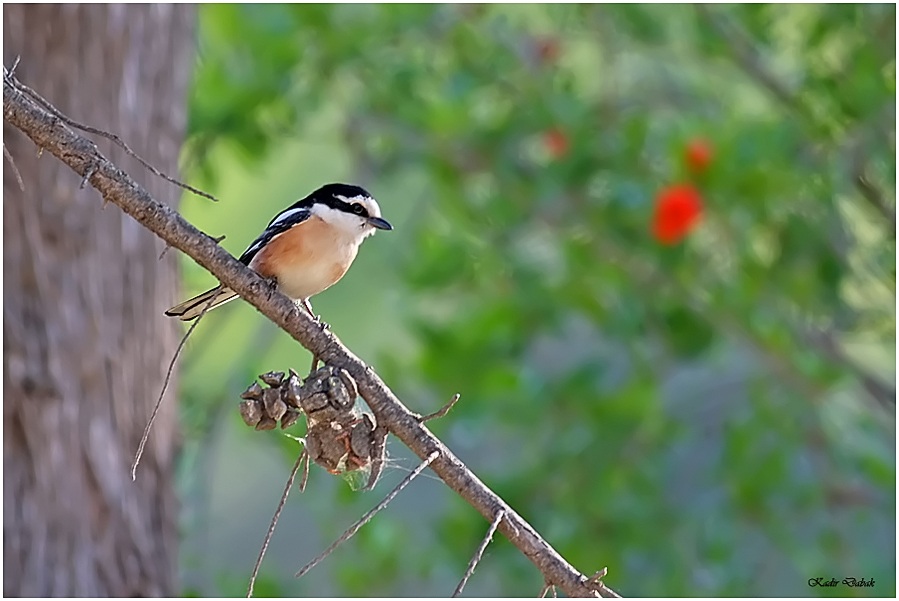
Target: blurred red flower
[(556, 142), (548, 49), (678, 209), (698, 154)]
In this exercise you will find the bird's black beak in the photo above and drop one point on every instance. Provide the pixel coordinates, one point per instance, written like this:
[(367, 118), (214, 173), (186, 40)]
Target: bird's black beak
[(381, 224)]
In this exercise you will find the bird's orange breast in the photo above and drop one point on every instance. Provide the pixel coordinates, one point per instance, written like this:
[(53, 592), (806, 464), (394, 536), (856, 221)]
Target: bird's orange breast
[(306, 259)]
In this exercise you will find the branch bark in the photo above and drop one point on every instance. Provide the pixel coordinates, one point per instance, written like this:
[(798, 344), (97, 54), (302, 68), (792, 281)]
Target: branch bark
[(115, 186)]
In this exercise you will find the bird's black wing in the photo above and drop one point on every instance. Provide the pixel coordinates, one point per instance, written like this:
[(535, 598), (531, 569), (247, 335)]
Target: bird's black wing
[(280, 224)]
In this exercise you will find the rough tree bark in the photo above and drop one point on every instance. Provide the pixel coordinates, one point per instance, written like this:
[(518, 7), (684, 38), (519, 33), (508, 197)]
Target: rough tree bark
[(85, 342)]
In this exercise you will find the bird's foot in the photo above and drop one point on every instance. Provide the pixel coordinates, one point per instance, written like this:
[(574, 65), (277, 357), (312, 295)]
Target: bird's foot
[(316, 318), (325, 326)]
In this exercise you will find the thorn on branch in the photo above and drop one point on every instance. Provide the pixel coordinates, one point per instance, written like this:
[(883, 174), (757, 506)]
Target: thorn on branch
[(480, 551), (301, 460), (548, 586), (440, 412), (597, 576), (90, 171), (368, 516), (595, 583)]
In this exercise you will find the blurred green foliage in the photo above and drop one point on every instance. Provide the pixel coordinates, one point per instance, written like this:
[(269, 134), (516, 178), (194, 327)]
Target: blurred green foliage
[(713, 418)]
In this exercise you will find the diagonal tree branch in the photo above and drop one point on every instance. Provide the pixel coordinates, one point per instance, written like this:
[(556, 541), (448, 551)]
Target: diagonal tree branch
[(81, 155)]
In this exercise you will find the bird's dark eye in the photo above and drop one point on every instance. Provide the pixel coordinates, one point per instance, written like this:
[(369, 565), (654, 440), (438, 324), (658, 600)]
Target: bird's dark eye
[(359, 210)]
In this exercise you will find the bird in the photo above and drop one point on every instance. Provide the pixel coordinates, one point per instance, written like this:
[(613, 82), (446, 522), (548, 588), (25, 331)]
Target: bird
[(306, 248)]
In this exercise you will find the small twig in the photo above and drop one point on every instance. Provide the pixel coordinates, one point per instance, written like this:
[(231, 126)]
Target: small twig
[(304, 477), (12, 70), (548, 586), (99, 132), (303, 458), (165, 385), (480, 552), (15, 169), (314, 364), (597, 576), (440, 412), (368, 516), (595, 582)]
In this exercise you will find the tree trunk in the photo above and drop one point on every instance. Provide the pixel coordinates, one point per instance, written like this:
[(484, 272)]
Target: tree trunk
[(85, 342)]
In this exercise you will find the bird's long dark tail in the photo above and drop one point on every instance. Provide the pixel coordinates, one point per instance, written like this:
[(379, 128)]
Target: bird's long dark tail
[(191, 308)]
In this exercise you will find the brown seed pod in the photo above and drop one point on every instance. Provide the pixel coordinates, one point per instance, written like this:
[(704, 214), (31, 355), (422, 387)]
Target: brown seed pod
[(292, 390), (338, 436), (272, 378), (251, 412), (315, 403), (339, 395), (274, 406), (253, 391), (361, 439), (326, 445), (290, 418), (348, 381), (266, 423)]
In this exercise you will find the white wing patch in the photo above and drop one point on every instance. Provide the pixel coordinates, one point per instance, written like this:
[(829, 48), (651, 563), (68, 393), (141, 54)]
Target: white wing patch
[(280, 224), (284, 216), (255, 246)]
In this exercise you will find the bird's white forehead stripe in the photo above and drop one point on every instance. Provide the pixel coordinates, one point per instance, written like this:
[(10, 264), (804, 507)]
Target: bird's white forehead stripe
[(359, 198), (368, 202)]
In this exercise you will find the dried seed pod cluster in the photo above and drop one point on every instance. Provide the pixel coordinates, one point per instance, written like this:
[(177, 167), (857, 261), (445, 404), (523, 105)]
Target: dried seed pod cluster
[(339, 437), (262, 408)]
